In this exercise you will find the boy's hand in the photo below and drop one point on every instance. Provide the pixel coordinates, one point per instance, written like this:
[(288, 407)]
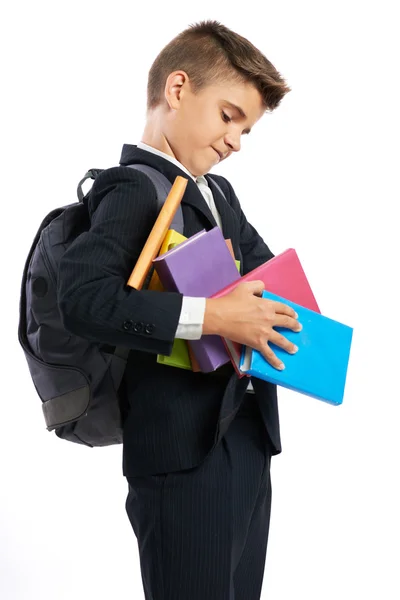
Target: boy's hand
[(242, 316)]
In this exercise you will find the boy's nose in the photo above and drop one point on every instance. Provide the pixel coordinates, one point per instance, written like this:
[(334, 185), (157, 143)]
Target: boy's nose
[(233, 143)]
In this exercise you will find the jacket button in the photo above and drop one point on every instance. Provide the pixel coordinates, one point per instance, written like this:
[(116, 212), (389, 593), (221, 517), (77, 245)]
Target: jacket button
[(127, 325), (138, 327), (149, 329)]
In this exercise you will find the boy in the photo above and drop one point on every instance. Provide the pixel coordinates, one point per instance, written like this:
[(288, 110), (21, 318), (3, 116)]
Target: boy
[(197, 447)]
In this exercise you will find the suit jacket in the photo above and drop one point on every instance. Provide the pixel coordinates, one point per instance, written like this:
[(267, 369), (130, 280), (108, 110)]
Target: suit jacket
[(172, 417)]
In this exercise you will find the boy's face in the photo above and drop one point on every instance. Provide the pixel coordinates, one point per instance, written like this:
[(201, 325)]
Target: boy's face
[(195, 128)]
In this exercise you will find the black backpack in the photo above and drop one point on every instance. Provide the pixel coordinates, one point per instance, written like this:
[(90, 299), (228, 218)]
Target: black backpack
[(76, 379)]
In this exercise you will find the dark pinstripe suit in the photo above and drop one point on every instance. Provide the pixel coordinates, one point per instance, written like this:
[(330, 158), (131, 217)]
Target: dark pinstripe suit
[(197, 474)]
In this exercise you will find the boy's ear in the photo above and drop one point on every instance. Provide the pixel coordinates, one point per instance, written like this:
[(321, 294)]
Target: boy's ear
[(174, 88)]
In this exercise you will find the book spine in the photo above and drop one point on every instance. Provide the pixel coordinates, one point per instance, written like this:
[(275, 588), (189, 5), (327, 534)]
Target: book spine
[(230, 350)]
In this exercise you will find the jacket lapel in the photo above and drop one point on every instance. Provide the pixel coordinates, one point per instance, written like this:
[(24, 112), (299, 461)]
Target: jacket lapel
[(230, 221), (227, 214), (194, 198)]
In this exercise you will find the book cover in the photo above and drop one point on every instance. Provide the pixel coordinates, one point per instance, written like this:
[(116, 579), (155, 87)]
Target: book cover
[(319, 367), (283, 275), (199, 267)]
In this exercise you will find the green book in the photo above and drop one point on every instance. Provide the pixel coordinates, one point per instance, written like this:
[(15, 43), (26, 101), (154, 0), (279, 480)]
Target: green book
[(179, 356)]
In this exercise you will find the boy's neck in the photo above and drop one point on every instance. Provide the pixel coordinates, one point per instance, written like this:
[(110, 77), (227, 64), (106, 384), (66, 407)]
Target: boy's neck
[(153, 136), (158, 144)]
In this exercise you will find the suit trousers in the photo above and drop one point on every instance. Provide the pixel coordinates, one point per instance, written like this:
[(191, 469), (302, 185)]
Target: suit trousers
[(202, 533)]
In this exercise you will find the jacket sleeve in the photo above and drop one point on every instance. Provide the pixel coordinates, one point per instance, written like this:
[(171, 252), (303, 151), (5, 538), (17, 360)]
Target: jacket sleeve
[(94, 299), (254, 250)]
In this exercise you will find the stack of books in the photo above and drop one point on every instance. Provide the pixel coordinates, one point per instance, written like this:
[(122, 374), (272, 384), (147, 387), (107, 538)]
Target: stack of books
[(204, 266)]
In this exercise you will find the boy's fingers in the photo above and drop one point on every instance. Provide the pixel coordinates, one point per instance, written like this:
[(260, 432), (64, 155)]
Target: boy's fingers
[(287, 322), (282, 341), (284, 309), (271, 357)]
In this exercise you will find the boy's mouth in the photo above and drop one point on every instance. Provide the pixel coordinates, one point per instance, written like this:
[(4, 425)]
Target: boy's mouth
[(219, 154)]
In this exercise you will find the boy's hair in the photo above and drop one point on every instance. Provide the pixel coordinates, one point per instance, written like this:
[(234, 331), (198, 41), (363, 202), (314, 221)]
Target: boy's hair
[(210, 53)]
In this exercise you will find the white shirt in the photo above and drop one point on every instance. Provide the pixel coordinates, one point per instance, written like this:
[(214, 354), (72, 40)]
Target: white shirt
[(191, 319)]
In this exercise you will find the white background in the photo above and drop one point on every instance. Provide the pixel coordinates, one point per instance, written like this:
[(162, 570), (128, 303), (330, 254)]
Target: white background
[(318, 175)]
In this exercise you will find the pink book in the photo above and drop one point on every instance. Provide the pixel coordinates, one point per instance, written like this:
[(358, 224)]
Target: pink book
[(282, 275)]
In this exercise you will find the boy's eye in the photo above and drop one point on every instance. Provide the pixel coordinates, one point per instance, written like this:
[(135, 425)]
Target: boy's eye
[(225, 117)]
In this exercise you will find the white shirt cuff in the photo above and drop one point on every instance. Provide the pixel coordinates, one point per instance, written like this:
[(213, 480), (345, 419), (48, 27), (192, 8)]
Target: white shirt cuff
[(191, 319)]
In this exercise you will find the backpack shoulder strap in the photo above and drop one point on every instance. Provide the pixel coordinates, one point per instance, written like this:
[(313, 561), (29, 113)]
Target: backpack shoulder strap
[(163, 187)]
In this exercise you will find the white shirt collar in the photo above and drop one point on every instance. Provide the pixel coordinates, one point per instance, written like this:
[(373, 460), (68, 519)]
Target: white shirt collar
[(200, 179)]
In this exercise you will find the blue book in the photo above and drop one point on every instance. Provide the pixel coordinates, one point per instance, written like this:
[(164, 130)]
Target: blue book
[(319, 367)]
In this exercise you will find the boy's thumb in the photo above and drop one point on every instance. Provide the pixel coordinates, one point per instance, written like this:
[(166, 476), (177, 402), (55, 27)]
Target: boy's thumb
[(256, 287)]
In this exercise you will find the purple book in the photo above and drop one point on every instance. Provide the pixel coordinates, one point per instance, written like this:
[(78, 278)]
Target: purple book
[(200, 267)]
